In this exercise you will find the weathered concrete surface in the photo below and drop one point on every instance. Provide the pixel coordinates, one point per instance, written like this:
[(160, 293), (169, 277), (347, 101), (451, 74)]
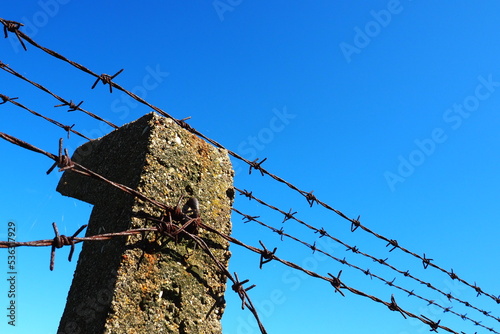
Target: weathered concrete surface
[(136, 284)]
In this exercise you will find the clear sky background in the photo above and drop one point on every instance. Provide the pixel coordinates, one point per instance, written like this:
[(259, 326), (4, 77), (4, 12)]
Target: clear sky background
[(386, 109)]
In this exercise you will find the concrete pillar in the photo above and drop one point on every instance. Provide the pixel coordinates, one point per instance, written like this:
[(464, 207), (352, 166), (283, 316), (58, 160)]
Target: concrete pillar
[(138, 284)]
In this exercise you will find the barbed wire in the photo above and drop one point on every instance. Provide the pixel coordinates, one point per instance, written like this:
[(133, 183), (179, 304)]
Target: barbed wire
[(290, 215), (64, 162), (13, 27), (70, 104), (171, 230), (367, 272), (267, 256), (66, 128), (106, 79), (166, 227)]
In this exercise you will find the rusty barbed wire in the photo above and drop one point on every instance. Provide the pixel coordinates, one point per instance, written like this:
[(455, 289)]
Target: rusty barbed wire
[(237, 286), (59, 241), (172, 231), (163, 227), (333, 280), (72, 106), (355, 223), (367, 272), (106, 79), (64, 162), (12, 26), (66, 128), (323, 233)]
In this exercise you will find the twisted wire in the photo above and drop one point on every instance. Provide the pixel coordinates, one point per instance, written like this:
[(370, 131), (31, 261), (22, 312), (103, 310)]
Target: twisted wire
[(11, 26)]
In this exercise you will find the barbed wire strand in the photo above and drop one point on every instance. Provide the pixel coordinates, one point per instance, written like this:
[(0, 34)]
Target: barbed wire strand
[(65, 163), (367, 272), (355, 223), (290, 215), (12, 26), (237, 286), (333, 280), (66, 128), (72, 106), (60, 241)]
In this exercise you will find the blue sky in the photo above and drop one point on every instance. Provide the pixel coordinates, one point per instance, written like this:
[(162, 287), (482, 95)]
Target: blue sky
[(387, 109)]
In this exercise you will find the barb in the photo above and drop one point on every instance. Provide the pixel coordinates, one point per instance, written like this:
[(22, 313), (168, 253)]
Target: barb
[(12, 26), (354, 249), (107, 80), (6, 99), (256, 164), (72, 106), (311, 198), (394, 306), (266, 255), (62, 240), (240, 290), (336, 283), (63, 160), (288, 215)]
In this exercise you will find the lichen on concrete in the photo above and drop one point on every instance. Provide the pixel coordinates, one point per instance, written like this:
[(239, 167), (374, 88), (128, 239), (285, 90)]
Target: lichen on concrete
[(159, 286)]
